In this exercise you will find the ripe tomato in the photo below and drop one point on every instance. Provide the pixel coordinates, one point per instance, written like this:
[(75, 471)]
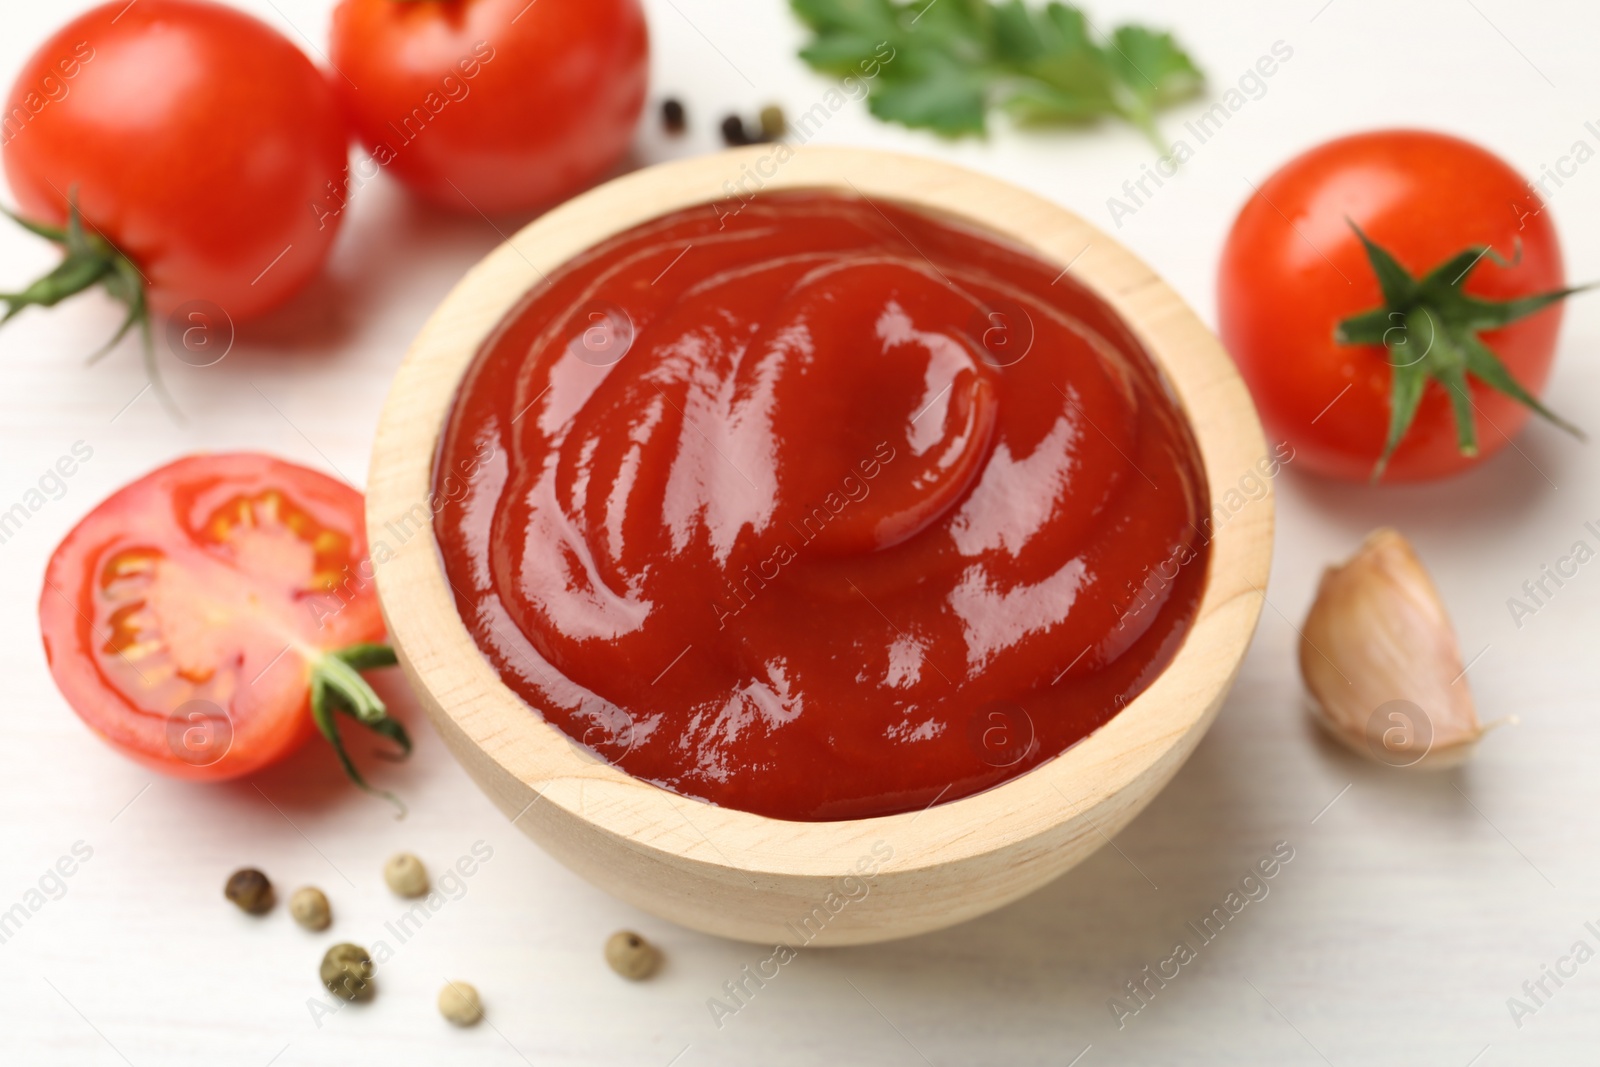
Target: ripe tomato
[(1295, 268), (196, 140), (191, 620), (492, 105)]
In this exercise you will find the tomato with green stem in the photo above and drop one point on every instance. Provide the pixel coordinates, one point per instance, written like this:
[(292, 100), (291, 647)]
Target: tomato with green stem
[(176, 149), (206, 619), (1392, 299)]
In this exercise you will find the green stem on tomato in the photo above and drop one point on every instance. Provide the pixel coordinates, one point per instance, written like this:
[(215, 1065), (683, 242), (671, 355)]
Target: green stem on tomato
[(1430, 329), (337, 685), (91, 260)]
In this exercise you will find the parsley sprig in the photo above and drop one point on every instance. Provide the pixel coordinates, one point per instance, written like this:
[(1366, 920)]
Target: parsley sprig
[(954, 60)]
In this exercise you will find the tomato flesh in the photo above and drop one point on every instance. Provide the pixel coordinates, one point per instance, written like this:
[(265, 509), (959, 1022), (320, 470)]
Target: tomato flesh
[(181, 615)]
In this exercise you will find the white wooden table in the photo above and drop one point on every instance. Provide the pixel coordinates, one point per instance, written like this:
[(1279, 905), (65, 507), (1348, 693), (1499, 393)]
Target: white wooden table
[(1412, 909)]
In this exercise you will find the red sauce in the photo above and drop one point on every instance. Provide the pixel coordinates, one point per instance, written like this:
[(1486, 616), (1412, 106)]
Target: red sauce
[(824, 510)]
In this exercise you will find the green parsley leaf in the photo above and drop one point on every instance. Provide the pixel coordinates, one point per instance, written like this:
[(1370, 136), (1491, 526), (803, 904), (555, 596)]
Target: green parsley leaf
[(944, 64)]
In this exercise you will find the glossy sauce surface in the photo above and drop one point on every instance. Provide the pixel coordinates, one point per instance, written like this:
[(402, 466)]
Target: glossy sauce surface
[(821, 509)]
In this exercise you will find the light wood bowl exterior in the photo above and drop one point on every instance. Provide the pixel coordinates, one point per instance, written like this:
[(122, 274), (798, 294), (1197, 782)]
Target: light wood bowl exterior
[(758, 879)]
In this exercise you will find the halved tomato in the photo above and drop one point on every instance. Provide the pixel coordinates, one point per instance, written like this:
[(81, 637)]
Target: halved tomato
[(207, 618)]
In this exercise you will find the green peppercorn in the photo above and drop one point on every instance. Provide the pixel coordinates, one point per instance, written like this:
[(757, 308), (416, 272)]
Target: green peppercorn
[(250, 890), (347, 972), (631, 955), (772, 122)]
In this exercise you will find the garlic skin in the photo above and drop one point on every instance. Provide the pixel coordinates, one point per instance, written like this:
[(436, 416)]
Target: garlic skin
[(1380, 657)]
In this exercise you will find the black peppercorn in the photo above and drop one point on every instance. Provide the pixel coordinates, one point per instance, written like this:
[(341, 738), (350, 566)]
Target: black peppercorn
[(733, 134), (673, 119)]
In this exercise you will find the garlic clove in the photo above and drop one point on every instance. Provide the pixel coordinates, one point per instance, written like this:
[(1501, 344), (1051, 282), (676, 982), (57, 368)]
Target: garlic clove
[(1381, 660)]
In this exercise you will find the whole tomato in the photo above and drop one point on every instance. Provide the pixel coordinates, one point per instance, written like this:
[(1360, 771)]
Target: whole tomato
[(1391, 300), (193, 141), (492, 106)]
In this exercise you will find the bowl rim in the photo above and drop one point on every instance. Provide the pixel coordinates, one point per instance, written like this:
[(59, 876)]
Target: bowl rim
[(468, 696)]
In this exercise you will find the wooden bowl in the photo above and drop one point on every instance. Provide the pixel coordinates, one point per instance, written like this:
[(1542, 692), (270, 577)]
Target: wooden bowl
[(767, 880)]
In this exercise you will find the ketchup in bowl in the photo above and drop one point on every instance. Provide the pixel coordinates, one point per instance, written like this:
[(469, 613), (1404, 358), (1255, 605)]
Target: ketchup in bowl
[(826, 509)]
